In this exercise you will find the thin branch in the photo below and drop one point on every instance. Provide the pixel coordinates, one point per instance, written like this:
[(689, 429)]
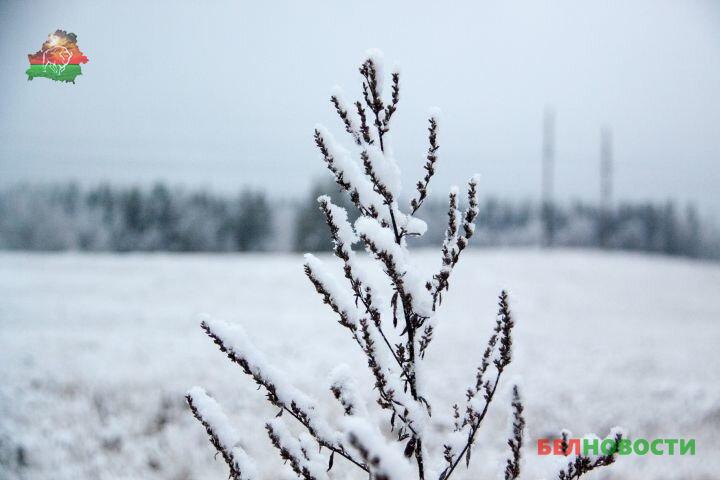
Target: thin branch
[(473, 431), (216, 441), (512, 466), (339, 177), (583, 464), (272, 396), (503, 360), (455, 241), (395, 96), (430, 160), (343, 251), (364, 128), (345, 117)]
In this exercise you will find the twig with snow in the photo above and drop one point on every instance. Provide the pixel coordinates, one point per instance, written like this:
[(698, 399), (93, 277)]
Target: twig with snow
[(402, 309)]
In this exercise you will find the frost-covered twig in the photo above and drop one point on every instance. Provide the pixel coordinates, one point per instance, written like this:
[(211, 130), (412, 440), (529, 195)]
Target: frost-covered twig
[(233, 341), (431, 159), (339, 300), (364, 128), (512, 465), (582, 464), (222, 435), (477, 408), (371, 90), (383, 461), (303, 460), (456, 240), (346, 173), (344, 388), (338, 102), (389, 396), (343, 236), (392, 106), (402, 308)]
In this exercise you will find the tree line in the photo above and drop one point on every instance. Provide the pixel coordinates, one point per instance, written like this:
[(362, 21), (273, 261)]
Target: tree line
[(163, 218), (121, 219)]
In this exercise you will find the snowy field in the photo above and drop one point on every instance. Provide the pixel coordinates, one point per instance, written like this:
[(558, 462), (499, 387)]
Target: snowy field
[(96, 352)]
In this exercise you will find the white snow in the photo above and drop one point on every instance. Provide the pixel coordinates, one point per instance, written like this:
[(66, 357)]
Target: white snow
[(386, 456), (97, 352), (386, 169), (383, 238), (340, 217), (352, 173), (378, 59), (211, 413), (299, 449), (338, 290), (237, 341), (342, 378)]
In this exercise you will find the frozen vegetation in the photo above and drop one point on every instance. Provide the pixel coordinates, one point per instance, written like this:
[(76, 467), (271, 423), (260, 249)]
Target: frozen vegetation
[(96, 372), (97, 352)]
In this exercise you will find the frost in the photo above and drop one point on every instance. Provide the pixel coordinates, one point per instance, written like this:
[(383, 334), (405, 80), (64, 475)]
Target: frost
[(351, 172), (385, 460), (341, 295), (378, 58), (301, 452), (234, 338), (386, 169), (211, 413)]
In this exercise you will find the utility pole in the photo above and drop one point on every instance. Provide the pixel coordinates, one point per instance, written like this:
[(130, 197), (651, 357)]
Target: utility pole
[(547, 203), (606, 179)]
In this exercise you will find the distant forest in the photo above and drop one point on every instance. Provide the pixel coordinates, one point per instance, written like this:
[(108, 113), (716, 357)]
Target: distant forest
[(161, 218)]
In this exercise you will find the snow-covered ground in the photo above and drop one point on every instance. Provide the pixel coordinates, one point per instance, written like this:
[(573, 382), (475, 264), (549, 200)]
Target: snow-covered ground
[(96, 352)]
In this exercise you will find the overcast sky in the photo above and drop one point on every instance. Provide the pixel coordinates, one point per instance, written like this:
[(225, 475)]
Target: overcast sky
[(226, 94)]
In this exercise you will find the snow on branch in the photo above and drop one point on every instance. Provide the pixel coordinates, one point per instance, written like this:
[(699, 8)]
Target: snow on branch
[(233, 341), (302, 459), (430, 160), (364, 127), (372, 72), (348, 174), (381, 243), (391, 108), (459, 443), (383, 172), (512, 464), (342, 110), (222, 435), (345, 390), (338, 298), (457, 236), (581, 464), (384, 382), (343, 236), (371, 333), (384, 461), (402, 308), (393, 255)]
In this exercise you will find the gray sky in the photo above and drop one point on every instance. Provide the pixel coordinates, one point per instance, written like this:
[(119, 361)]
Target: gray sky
[(226, 94)]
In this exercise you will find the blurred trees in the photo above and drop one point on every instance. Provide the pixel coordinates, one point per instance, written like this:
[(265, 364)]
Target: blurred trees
[(119, 219), (159, 218)]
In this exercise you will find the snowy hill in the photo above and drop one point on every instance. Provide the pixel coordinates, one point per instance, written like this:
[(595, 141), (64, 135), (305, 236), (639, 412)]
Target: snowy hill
[(96, 352)]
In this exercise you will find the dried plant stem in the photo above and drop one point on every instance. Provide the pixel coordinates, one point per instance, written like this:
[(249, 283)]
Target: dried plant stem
[(473, 431), (372, 186)]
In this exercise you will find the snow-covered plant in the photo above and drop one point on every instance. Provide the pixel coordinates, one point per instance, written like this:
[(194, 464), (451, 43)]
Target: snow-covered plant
[(392, 323)]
